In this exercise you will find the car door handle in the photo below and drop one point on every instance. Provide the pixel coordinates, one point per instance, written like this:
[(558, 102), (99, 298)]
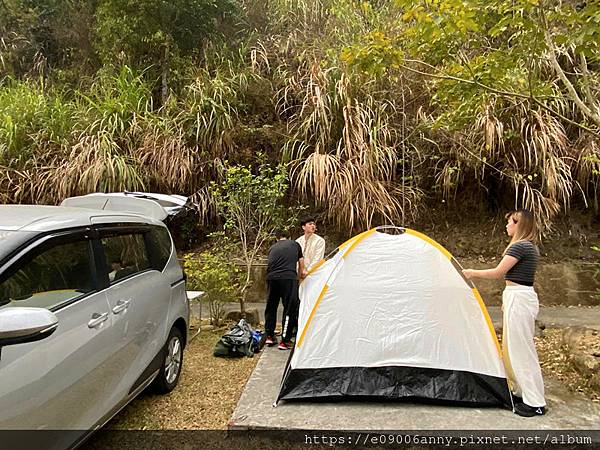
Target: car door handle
[(97, 319), (121, 306)]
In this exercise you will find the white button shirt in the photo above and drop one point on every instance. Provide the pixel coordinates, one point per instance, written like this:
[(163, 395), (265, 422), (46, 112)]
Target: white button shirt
[(313, 250)]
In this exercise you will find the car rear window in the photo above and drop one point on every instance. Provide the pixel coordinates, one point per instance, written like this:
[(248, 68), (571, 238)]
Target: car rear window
[(166, 203), (125, 254), (160, 244)]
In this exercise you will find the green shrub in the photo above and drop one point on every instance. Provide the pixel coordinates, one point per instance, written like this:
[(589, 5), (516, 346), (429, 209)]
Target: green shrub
[(215, 274), (253, 209), (32, 119)]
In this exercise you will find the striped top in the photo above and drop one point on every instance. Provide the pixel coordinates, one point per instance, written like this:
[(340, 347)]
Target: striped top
[(528, 255)]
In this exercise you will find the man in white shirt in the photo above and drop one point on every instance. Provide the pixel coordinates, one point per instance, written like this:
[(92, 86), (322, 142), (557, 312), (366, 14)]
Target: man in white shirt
[(115, 265), (313, 245)]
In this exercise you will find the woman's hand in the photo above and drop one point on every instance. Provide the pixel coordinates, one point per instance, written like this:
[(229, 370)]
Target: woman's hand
[(468, 273)]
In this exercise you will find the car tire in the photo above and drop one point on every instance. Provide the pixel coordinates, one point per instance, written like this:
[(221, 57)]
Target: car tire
[(171, 364)]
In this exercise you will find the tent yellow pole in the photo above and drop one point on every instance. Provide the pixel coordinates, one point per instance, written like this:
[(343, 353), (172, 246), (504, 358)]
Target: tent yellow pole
[(316, 266), (312, 313), (487, 319), (348, 241), (446, 253), (355, 241), (323, 261), (358, 240), (482, 306)]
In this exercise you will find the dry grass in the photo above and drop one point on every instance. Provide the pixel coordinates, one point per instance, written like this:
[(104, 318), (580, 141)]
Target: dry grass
[(97, 164), (208, 391), (555, 364), (165, 158), (342, 147), (364, 150), (529, 151)]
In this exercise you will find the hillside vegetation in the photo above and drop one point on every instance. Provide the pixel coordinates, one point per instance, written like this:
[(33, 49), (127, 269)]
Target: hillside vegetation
[(378, 108)]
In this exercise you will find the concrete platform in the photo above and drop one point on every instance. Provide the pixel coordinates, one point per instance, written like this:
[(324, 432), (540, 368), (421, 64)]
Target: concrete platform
[(255, 411)]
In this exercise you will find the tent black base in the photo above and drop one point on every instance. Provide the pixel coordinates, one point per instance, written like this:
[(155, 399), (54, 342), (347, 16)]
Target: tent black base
[(395, 383)]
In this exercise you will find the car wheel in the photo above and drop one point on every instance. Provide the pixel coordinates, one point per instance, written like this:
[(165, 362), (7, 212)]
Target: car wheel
[(172, 362)]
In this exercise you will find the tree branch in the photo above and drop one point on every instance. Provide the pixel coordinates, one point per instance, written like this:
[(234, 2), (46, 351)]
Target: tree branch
[(495, 91), (591, 98), (461, 80), (563, 77)]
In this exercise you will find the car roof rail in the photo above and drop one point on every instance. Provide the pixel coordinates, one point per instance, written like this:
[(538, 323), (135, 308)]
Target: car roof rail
[(134, 205)]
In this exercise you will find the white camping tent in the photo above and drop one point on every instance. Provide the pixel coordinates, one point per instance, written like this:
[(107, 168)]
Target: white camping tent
[(391, 316)]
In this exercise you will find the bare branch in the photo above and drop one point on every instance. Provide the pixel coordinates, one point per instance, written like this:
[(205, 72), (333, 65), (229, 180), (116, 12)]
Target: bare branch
[(595, 117), (591, 98), (461, 80), (495, 91)]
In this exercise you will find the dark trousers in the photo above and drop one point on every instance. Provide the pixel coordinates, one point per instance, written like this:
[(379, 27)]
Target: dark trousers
[(290, 318), (287, 292)]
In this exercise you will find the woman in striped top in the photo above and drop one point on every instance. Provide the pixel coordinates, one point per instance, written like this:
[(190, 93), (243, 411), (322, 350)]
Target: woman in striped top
[(520, 308)]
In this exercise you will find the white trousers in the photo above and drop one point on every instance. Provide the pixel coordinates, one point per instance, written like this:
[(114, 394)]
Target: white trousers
[(520, 308)]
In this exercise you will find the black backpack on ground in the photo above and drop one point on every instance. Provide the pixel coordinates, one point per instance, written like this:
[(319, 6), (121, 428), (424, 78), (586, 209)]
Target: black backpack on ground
[(236, 342)]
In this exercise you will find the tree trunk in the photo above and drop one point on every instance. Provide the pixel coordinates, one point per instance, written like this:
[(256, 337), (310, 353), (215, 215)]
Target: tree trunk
[(242, 303), (245, 289)]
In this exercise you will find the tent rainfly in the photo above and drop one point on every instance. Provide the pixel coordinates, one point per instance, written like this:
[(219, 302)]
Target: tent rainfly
[(390, 316)]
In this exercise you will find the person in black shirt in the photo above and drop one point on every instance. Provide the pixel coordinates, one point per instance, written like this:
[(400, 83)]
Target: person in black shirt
[(520, 308), (285, 258)]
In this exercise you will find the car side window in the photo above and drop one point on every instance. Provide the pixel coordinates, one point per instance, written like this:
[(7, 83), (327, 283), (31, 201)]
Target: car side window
[(159, 241), (48, 276), (125, 255)]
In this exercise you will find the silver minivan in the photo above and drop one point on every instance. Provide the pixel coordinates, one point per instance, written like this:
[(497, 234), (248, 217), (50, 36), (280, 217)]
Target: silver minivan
[(93, 310)]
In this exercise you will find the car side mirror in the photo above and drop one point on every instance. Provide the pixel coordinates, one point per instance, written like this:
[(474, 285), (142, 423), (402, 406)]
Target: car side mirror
[(19, 325)]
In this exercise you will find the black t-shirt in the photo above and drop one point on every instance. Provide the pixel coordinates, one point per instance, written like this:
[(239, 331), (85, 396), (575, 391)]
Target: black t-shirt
[(283, 259), (523, 272)]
